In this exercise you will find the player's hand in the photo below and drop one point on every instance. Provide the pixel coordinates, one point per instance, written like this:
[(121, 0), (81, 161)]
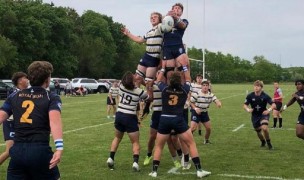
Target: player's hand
[(56, 158), (171, 13), (198, 111), (249, 110), (266, 112), (283, 108)]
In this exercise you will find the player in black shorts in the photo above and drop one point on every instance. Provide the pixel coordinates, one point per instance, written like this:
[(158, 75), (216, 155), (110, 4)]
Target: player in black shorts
[(258, 101), (174, 98), (299, 97), (37, 114), (20, 81)]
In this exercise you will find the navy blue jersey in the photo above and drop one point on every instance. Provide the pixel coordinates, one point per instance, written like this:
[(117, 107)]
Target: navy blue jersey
[(258, 103), (300, 102), (173, 100), (175, 37), (30, 108)]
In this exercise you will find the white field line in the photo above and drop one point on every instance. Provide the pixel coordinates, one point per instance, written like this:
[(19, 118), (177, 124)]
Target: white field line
[(238, 128), (79, 129), (174, 170), (231, 96)]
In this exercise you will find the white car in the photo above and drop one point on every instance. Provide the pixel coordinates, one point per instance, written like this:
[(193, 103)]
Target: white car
[(90, 84)]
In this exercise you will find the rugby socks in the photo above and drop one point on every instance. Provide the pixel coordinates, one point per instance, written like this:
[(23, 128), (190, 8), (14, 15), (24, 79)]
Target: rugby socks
[(186, 157), (179, 152), (200, 132), (275, 120), (149, 154), (280, 122), (197, 163), (112, 154), (155, 165), (135, 158)]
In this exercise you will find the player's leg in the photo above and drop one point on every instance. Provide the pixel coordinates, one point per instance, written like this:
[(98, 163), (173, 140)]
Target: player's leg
[(108, 107), (151, 144), (134, 138), (265, 130), (275, 118), (114, 146), (161, 140), (140, 75), (300, 127), (183, 65), (187, 137), (5, 154), (207, 126), (173, 150)]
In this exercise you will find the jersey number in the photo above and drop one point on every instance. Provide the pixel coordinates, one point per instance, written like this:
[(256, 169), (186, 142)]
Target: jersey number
[(29, 105), (126, 99), (173, 99)]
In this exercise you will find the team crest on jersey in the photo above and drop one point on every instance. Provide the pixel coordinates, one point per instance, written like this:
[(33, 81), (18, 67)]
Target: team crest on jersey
[(194, 118), (12, 134), (180, 50)]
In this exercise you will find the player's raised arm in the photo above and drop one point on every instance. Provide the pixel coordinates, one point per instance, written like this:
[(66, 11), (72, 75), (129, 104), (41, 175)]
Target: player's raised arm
[(135, 38)]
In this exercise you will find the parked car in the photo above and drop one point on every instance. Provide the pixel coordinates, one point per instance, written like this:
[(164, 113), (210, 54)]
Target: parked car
[(109, 81), (5, 89), (90, 84), (62, 82)]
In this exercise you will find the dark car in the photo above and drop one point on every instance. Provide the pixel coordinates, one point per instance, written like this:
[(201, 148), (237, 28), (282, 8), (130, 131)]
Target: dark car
[(4, 90)]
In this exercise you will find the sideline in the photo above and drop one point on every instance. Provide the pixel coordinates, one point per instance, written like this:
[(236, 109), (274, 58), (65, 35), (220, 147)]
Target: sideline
[(174, 170)]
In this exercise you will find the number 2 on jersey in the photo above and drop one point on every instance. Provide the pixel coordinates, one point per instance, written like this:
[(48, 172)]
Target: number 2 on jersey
[(29, 105)]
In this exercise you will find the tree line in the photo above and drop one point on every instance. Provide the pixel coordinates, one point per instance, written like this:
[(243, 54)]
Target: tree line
[(92, 45)]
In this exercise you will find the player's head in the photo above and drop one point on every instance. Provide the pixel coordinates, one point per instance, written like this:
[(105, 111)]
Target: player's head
[(178, 8), (299, 84), (276, 84), (155, 18), (205, 85), (39, 72), (20, 80), (175, 80), (199, 78), (128, 80), (258, 85)]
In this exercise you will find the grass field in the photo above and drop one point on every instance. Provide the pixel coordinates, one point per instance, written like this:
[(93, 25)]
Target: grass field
[(234, 154)]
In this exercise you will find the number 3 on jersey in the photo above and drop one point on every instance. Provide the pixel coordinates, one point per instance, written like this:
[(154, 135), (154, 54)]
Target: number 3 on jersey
[(173, 99), (29, 105)]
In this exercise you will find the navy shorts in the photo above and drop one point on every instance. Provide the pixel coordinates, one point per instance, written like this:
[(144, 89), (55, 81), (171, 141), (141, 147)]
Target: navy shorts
[(155, 119), (8, 130), (203, 117), (172, 52), (278, 105), (256, 120), (109, 101), (149, 61), (126, 122), (301, 118), (167, 124), (31, 161)]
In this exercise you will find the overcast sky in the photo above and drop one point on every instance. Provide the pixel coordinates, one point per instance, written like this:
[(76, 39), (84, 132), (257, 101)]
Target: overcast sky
[(244, 28)]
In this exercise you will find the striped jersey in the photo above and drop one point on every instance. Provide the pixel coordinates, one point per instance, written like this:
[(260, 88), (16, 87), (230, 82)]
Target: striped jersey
[(195, 87), (129, 99), (202, 100), (114, 91), (154, 41), (157, 99)]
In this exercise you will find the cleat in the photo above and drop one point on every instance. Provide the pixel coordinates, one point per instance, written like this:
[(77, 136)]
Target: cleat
[(110, 163), (270, 146), (153, 174), (177, 164), (187, 165), (263, 144), (147, 160), (202, 173), (207, 142), (135, 167)]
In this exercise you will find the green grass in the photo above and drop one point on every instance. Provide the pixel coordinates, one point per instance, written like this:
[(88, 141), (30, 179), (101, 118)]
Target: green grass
[(233, 155)]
